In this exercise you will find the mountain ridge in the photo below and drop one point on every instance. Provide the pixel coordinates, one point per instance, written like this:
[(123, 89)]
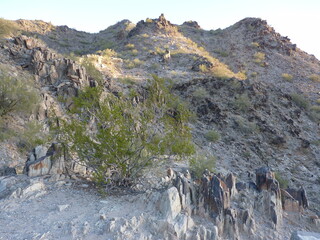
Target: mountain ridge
[(255, 95)]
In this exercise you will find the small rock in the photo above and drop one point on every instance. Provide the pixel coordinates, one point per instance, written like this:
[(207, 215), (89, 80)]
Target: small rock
[(63, 207)]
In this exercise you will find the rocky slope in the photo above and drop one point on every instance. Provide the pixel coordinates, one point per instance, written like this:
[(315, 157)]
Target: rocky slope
[(246, 83)]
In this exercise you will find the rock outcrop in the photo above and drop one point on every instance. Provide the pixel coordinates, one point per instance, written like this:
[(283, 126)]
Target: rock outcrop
[(52, 161)]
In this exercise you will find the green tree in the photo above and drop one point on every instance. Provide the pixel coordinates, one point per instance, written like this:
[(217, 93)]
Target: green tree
[(119, 136)]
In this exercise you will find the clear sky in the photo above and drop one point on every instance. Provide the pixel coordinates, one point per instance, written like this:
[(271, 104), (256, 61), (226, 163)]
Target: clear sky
[(297, 19)]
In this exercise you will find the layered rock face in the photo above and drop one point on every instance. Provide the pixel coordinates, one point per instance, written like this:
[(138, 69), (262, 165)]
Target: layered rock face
[(217, 207)]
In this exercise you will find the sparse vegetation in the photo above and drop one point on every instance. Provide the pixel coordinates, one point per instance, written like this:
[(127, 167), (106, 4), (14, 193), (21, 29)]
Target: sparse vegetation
[(92, 70), (200, 93), (7, 28), (149, 20), (201, 162), (129, 64), (288, 77), (255, 44), (254, 74), (17, 95), (32, 136), (314, 77), (259, 57), (222, 72), (130, 46), (300, 101), (212, 136), (242, 102), (282, 182), (127, 80), (244, 126), (203, 68)]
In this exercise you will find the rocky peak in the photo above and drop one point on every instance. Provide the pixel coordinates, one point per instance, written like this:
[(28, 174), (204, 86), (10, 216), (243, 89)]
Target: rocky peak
[(37, 26), (159, 25), (192, 24)]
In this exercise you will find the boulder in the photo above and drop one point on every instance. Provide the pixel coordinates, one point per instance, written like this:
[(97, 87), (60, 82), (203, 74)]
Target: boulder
[(169, 205), (43, 161)]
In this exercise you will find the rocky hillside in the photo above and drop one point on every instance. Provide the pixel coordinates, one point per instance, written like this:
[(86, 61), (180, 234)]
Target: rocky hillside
[(255, 96)]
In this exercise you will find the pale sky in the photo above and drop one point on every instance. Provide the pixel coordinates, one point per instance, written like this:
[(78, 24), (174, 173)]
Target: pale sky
[(297, 19)]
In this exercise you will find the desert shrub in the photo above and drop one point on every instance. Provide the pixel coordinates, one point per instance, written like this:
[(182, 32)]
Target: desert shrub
[(118, 138), (201, 162), (259, 57), (16, 94), (134, 52), (203, 68), (129, 64), (149, 20), (222, 72), (7, 28), (200, 93), (222, 53), (300, 101), (282, 182), (129, 46), (242, 102), (241, 75), (160, 51), (254, 74), (127, 80), (92, 71), (212, 136), (244, 126), (108, 53), (255, 44), (32, 136), (288, 77), (314, 77), (315, 108), (314, 113)]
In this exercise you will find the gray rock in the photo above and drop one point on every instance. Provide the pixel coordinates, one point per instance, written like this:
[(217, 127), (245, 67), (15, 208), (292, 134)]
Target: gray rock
[(301, 235), (43, 161), (7, 171)]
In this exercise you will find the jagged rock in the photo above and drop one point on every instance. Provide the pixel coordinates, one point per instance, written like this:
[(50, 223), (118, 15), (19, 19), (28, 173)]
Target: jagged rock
[(42, 161), (300, 195), (169, 205), (202, 61), (192, 24), (289, 203), (265, 179), (7, 171), (20, 186), (301, 235)]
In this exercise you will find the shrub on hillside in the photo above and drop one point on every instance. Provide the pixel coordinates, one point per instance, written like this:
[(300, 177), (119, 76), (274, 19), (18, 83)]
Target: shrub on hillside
[(242, 102), (314, 77), (118, 138), (300, 101), (288, 77), (212, 136), (200, 163), (16, 94)]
